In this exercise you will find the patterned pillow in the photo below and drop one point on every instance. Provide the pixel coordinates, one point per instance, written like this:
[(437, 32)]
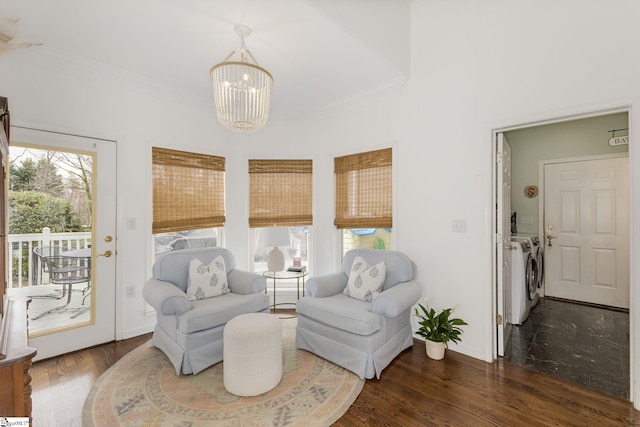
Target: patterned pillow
[(365, 282), (207, 281)]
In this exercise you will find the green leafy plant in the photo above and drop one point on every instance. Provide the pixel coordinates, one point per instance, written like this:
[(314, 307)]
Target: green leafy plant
[(439, 327)]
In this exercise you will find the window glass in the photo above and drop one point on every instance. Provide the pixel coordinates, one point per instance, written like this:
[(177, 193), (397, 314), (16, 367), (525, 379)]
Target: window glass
[(202, 238), (299, 238), (374, 238)]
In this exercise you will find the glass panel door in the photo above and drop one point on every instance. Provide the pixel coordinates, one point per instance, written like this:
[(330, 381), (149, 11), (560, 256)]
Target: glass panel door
[(61, 241)]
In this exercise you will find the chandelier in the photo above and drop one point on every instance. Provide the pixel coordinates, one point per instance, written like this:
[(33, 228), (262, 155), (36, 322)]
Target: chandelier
[(241, 89)]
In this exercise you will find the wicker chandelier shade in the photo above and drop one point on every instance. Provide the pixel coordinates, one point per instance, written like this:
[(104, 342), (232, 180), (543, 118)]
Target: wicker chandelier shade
[(241, 89)]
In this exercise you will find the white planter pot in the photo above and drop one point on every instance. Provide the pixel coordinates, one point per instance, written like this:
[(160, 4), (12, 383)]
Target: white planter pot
[(435, 350)]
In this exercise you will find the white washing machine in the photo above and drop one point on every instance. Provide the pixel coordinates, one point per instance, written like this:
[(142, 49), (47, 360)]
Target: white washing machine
[(524, 281), (537, 251)]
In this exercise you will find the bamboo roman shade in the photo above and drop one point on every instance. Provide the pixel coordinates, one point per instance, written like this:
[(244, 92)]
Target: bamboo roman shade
[(188, 191), (364, 190), (280, 193)]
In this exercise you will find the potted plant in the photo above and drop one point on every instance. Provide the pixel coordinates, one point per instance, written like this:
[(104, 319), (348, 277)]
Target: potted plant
[(438, 329)]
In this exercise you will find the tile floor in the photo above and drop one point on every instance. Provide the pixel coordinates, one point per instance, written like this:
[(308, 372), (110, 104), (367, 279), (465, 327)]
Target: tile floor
[(579, 343)]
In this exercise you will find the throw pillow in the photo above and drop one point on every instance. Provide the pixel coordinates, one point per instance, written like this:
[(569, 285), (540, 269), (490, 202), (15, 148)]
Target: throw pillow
[(207, 281), (365, 282)]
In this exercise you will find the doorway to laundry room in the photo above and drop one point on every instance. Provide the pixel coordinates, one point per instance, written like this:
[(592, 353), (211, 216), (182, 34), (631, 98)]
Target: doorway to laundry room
[(583, 340)]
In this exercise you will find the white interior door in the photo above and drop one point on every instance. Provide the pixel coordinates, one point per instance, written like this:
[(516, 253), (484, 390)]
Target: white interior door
[(100, 327), (503, 241), (586, 217)]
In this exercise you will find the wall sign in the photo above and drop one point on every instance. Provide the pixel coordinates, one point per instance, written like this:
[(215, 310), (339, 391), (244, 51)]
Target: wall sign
[(619, 140), (530, 191)]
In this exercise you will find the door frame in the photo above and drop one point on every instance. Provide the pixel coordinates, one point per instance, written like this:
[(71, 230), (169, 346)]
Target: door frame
[(106, 331), (632, 107)]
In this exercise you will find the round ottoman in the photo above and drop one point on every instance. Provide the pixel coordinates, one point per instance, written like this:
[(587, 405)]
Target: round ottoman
[(252, 354)]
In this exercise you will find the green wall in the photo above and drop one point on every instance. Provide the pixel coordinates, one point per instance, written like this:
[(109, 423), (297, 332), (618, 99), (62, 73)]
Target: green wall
[(577, 138)]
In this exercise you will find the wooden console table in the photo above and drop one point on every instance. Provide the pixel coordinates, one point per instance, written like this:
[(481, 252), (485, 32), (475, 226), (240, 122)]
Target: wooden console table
[(15, 360)]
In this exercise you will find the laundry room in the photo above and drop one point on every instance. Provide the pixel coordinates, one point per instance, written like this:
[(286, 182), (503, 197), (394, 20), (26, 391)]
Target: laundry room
[(570, 251)]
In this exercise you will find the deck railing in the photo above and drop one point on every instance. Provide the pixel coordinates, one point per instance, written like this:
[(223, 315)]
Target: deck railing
[(24, 266)]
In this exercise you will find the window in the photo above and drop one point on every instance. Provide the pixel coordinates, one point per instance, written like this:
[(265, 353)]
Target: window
[(188, 199), (364, 205), (378, 238), (280, 195)]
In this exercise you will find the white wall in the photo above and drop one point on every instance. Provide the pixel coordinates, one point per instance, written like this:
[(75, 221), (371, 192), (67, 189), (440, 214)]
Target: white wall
[(475, 66)]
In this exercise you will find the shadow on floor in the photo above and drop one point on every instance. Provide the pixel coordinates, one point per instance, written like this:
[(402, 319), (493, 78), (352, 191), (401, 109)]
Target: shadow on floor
[(578, 343), (47, 297)]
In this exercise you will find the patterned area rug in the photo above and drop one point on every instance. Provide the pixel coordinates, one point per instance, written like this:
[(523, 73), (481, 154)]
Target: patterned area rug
[(142, 389)]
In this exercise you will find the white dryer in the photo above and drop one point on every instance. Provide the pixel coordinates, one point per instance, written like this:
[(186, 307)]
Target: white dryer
[(524, 281), (537, 252)]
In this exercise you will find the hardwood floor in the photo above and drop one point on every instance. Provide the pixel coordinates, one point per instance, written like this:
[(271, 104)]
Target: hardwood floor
[(413, 391), (61, 384)]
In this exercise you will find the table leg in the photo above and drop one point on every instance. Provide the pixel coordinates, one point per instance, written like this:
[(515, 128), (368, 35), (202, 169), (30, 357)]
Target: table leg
[(70, 291), (274, 294)]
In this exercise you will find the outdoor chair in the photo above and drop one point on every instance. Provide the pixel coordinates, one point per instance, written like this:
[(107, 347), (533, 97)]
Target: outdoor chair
[(40, 267), (66, 271)]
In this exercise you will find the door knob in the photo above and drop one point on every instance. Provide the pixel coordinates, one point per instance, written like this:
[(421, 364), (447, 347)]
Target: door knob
[(549, 238), (108, 239), (106, 254)]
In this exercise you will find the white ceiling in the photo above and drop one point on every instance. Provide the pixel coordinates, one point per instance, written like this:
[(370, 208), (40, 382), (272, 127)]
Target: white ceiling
[(320, 52)]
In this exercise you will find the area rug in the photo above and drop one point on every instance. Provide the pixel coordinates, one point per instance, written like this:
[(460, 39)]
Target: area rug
[(142, 389)]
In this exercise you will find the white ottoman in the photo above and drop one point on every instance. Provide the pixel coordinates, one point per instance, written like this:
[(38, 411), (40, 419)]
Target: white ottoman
[(252, 354)]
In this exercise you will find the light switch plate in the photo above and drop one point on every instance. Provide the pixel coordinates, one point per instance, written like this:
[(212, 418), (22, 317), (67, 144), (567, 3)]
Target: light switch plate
[(526, 220), (459, 225)]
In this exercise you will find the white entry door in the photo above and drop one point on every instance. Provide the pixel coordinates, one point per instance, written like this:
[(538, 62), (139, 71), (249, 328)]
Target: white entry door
[(503, 242), (586, 217), (100, 325)]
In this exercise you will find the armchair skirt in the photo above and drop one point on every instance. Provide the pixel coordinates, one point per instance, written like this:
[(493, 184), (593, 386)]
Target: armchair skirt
[(365, 355)]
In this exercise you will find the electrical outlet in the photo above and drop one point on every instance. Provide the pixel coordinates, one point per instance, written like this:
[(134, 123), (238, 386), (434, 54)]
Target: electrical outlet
[(459, 225), (131, 292)]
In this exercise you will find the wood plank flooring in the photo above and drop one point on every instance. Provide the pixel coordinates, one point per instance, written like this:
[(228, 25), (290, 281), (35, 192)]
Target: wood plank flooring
[(413, 391)]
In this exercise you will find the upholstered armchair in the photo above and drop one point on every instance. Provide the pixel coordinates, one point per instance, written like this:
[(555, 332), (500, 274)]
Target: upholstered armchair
[(195, 292), (365, 330)]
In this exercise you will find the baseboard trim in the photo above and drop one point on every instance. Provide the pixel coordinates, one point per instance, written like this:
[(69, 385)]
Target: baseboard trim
[(590, 304)]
